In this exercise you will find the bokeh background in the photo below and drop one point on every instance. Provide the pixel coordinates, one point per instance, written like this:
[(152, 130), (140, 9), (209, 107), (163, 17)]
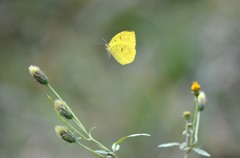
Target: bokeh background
[(178, 41)]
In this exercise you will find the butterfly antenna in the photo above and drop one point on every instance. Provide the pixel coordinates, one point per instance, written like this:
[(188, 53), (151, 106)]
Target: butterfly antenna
[(104, 42)]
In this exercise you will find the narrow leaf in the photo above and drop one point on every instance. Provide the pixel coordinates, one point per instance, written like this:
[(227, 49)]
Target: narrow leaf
[(132, 135), (168, 145), (184, 132), (201, 152), (102, 152), (182, 146), (138, 134)]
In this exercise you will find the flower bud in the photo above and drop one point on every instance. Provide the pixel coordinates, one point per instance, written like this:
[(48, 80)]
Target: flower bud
[(187, 115), (195, 88), (38, 74), (62, 109), (202, 100), (65, 134), (190, 125)]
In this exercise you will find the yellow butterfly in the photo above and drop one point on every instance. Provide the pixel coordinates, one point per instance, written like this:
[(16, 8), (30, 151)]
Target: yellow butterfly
[(122, 47)]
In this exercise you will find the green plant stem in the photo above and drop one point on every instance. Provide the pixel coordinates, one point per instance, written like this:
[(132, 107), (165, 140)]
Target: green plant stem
[(194, 122), (76, 120), (74, 116), (63, 120), (51, 88), (197, 127), (187, 134), (99, 144), (89, 149)]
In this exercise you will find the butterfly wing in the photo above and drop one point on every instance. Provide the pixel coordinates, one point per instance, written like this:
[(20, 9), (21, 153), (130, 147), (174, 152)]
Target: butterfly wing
[(122, 47), (124, 37), (123, 53)]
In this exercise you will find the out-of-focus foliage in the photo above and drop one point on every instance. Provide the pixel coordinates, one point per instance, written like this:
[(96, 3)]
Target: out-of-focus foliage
[(177, 42)]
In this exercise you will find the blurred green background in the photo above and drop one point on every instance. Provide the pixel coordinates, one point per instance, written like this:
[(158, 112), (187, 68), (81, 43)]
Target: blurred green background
[(178, 41)]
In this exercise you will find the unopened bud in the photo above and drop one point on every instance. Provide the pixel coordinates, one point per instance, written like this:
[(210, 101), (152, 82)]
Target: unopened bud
[(65, 134), (38, 74), (62, 109), (190, 125), (202, 100), (187, 115)]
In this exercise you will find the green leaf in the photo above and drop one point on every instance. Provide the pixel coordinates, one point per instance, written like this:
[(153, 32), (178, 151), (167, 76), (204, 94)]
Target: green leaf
[(102, 152), (168, 145), (184, 132), (138, 134), (201, 152), (182, 146), (115, 147), (129, 136)]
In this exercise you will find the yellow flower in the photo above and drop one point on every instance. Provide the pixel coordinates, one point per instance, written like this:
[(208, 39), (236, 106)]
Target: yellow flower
[(195, 86)]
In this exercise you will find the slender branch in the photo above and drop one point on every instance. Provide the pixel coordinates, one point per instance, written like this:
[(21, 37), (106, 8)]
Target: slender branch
[(99, 144), (194, 123), (75, 118), (187, 134), (197, 127), (89, 149), (63, 120), (51, 88)]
